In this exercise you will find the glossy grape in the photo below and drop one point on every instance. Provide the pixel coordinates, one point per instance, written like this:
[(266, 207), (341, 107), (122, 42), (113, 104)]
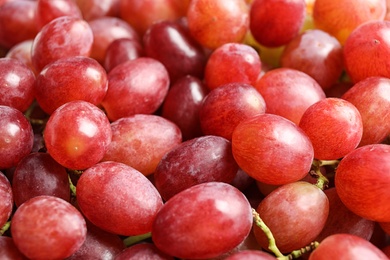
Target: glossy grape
[(251, 255), (77, 135), (8, 249), (16, 137), (272, 149), (22, 52), (143, 251), (39, 174), (92, 9), (214, 216), (48, 10), (203, 159), (121, 50), (362, 179), (334, 127), (6, 199), (51, 236), (126, 205)]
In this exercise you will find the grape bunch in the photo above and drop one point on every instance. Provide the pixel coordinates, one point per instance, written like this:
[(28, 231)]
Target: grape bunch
[(194, 129)]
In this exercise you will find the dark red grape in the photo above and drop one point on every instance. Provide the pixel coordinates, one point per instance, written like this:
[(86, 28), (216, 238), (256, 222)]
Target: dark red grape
[(143, 251), (9, 251), (121, 50), (6, 199)]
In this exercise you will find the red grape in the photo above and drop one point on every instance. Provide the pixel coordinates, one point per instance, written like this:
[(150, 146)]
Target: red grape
[(50, 236), (63, 37), (232, 62), (6, 199), (182, 105), (140, 141), (69, 79), (251, 255), (272, 149), (316, 53), (9, 251), (288, 92), (203, 159), (362, 180), (214, 216), (22, 52), (346, 246), (218, 22), (135, 87), (168, 42), (16, 84), (295, 213), (77, 135), (146, 251), (334, 127), (228, 105), (121, 50), (16, 137), (117, 198), (92, 9), (371, 97), (38, 174), (48, 10), (275, 23)]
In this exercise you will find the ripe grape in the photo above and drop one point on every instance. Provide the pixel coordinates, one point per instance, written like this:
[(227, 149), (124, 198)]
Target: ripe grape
[(147, 251), (251, 255), (6, 199), (22, 52), (135, 87), (140, 141), (16, 137), (203, 159), (121, 50), (92, 9), (50, 236), (228, 105), (371, 97), (272, 149), (362, 180), (334, 127), (295, 213), (8, 249), (117, 198), (16, 84), (77, 135), (346, 246), (48, 10), (39, 174), (214, 216)]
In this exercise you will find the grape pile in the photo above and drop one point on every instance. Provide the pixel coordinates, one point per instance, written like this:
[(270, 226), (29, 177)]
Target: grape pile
[(194, 129)]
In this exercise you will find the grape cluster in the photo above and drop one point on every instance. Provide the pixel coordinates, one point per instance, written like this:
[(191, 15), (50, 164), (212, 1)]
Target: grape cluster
[(194, 129)]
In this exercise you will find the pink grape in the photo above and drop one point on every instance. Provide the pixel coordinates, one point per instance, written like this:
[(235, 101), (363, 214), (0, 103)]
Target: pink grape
[(8, 249)]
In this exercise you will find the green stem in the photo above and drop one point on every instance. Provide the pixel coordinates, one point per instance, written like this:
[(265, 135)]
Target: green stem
[(5, 228), (71, 186), (298, 253), (322, 180), (129, 241)]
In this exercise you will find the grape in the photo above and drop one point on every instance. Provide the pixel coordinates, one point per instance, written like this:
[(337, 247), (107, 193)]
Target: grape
[(8, 249), (341, 17), (39, 174), (77, 135), (203, 159), (17, 22), (182, 105), (251, 255), (92, 9), (135, 87), (22, 52), (142, 15), (16, 84), (65, 36), (334, 127), (288, 92), (367, 44), (68, 79), (16, 137), (214, 24), (105, 30), (6, 199), (117, 198), (140, 141), (274, 23), (48, 10), (346, 246), (50, 236), (228, 105), (342, 220), (214, 216), (121, 50), (98, 244), (362, 180), (371, 97), (272, 149), (316, 53), (143, 251), (168, 42), (301, 209)]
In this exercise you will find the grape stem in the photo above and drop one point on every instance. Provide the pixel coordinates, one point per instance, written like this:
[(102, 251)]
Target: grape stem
[(322, 180), (129, 241), (72, 187), (272, 243), (5, 228)]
